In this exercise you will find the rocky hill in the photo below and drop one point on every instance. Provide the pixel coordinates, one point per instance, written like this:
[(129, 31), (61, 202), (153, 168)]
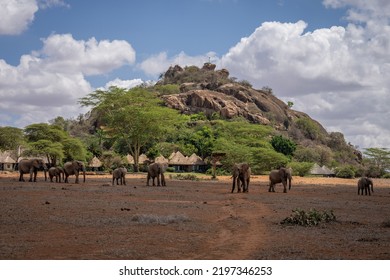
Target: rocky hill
[(216, 95)]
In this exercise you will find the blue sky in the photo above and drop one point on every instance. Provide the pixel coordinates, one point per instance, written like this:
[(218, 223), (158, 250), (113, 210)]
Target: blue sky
[(330, 57)]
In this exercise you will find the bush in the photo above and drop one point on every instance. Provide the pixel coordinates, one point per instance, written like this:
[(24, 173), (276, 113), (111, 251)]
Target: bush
[(170, 169), (283, 145), (190, 177), (346, 172), (301, 168), (310, 218)]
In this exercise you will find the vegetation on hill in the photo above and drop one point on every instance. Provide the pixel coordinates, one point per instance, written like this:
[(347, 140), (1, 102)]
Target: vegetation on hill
[(195, 110)]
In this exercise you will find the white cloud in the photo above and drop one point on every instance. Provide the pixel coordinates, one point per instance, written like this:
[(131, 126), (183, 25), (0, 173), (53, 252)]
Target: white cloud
[(157, 64), (16, 15), (337, 75), (44, 4), (90, 57), (126, 84), (49, 82)]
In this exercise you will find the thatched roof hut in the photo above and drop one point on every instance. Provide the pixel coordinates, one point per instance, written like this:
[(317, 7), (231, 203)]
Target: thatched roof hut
[(318, 170), (95, 163)]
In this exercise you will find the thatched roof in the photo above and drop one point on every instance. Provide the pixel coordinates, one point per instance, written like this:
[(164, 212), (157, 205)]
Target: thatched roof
[(318, 170), (161, 159), (141, 159), (179, 159), (195, 160), (95, 162), (5, 157)]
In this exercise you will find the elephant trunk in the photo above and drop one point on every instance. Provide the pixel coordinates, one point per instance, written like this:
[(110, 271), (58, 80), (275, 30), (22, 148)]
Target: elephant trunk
[(289, 183)]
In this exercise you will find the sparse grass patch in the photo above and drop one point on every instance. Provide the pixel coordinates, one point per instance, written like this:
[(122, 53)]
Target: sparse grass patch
[(160, 220), (310, 218), (189, 177)]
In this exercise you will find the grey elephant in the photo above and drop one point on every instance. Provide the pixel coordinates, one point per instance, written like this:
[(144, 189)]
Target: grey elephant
[(31, 166), (364, 183), (56, 172), (241, 175), (119, 174), (156, 170), (74, 168), (280, 176)]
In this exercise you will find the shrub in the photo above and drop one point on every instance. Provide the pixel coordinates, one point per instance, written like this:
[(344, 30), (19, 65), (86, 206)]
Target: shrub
[(301, 168), (160, 220), (346, 172), (190, 177), (310, 218), (170, 169), (283, 145)]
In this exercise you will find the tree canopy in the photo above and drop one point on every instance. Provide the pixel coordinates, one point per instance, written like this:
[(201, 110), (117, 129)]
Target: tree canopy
[(133, 118)]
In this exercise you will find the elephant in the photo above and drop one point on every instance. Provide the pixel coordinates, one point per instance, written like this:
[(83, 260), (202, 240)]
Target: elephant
[(364, 183), (280, 176), (156, 170), (31, 166), (119, 173), (73, 168), (241, 174), (56, 172)]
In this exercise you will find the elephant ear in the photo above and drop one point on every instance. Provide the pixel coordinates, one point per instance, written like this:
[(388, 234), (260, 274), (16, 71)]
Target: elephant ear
[(282, 173)]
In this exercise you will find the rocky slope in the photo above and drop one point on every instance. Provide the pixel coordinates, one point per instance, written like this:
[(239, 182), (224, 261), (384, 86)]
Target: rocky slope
[(216, 95)]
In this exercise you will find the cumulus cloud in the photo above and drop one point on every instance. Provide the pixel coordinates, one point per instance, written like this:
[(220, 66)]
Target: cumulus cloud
[(126, 84), (16, 15), (157, 64), (49, 82), (338, 75)]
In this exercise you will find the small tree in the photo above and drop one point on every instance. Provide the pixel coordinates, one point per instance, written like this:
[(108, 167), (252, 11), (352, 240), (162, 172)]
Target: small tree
[(283, 145)]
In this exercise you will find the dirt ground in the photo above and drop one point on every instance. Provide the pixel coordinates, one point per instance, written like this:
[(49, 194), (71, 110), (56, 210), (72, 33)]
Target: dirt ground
[(198, 220)]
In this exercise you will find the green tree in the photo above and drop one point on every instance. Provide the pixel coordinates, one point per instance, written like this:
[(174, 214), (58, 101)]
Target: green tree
[(135, 118), (54, 143), (10, 138), (52, 150), (283, 145), (377, 161)]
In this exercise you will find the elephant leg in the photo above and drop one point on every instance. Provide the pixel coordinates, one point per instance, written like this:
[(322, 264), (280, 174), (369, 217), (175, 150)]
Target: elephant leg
[(147, 179), (77, 177), (247, 185), (35, 175), (153, 183), (238, 185), (158, 180), (31, 175), (234, 184), (124, 180), (21, 179)]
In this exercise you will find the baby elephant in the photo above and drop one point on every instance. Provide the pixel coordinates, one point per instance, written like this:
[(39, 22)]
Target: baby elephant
[(364, 183), (56, 172), (119, 174)]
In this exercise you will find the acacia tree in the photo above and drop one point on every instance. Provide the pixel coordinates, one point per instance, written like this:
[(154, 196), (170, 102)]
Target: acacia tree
[(378, 161), (53, 142), (134, 118)]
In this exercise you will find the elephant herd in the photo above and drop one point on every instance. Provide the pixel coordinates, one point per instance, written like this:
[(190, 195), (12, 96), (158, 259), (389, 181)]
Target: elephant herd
[(241, 175), (31, 166)]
